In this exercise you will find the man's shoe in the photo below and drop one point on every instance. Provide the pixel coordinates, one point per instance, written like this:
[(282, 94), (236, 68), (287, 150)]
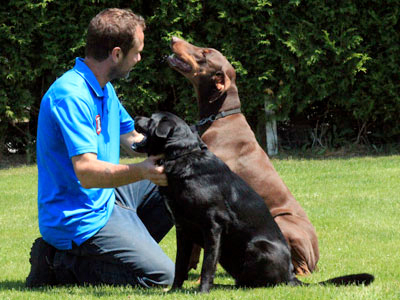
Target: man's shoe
[(42, 255)]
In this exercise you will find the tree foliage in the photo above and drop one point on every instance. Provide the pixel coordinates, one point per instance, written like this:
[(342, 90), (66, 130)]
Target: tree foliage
[(330, 67)]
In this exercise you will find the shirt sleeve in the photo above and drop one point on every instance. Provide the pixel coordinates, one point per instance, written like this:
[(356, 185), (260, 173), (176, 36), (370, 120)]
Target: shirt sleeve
[(74, 117), (126, 121)]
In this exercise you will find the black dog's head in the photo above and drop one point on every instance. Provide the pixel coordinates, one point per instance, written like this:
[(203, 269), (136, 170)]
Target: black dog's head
[(166, 134)]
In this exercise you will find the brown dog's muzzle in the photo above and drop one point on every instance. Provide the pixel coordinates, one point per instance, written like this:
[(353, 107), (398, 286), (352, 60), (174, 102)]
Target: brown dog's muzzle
[(178, 64), (183, 60)]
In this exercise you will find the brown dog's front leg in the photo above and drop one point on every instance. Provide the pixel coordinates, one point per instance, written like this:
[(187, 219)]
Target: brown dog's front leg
[(184, 250), (194, 257), (212, 251)]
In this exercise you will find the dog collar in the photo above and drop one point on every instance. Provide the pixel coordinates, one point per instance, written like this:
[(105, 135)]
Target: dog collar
[(222, 114), (174, 157)]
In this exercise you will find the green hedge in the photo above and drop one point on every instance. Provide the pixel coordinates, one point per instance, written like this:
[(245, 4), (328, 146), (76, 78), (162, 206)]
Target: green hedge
[(328, 68)]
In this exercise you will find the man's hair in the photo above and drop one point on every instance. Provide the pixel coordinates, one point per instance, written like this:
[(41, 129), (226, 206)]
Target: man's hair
[(112, 27)]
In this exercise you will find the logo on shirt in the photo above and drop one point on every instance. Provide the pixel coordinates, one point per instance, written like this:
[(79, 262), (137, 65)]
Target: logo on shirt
[(98, 124)]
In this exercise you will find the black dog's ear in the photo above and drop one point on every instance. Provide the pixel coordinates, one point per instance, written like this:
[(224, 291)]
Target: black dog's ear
[(164, 128)]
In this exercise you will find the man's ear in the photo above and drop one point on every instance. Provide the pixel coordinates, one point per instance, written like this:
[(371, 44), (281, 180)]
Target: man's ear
[(117, 55), (222, 84), (164, 128)]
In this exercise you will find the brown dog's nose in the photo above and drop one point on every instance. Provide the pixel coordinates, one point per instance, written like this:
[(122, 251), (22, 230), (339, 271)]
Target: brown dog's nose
[(175, 40)]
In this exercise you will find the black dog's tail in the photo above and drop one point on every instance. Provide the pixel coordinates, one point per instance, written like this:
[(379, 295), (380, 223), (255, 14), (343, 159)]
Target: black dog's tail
[(357, 279)]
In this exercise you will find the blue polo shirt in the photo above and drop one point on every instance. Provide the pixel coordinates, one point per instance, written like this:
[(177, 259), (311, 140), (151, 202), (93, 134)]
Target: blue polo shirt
[(76, 116)]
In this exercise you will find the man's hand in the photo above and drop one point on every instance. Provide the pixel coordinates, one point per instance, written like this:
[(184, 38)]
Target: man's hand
[(154, 172)]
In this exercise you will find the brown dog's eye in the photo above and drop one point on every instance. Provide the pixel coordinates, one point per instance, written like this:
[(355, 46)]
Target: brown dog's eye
[(202, 60), (204, 52)]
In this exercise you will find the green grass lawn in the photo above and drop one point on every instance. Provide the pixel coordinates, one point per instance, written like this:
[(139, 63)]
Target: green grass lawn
[(353, 203)]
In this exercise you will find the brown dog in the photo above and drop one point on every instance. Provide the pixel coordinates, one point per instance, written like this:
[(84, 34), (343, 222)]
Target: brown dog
[(228, 135)]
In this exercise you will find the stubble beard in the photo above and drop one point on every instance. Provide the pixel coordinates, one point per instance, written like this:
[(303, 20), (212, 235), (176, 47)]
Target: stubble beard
[(116, 73)]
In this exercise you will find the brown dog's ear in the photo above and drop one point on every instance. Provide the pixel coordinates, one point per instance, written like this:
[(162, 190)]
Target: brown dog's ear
[(164, 128), (222, 84)]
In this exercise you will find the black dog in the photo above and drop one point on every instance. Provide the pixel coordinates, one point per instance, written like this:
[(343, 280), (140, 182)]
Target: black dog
[(213, 207)]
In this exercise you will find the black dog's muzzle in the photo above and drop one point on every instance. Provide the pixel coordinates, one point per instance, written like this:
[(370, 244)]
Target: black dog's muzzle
[(140, 147)]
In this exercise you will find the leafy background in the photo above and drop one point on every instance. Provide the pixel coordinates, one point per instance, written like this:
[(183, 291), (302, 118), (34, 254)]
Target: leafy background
[(329, 69)]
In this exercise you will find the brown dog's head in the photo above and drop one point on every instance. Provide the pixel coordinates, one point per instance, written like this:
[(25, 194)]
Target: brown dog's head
[(208, 70), (166, 134)]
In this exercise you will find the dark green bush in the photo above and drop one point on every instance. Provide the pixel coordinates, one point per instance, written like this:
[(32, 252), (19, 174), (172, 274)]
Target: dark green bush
[(328, 68)]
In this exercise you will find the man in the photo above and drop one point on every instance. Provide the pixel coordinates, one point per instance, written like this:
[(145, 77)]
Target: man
[(101, 221)]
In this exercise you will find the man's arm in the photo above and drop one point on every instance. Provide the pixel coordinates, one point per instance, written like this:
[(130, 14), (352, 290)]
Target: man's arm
[(94, 173)]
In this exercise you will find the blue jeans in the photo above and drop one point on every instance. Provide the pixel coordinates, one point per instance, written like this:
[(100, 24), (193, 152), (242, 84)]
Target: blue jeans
[(125, 251)]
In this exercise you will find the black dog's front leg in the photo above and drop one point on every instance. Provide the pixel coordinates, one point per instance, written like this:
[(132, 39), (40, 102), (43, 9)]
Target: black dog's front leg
[(184, 249), (212, 251)]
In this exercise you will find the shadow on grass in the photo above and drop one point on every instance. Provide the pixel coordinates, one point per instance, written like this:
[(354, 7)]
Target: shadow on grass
[(195, 290), (12, 285), (104, 290), (345, 152)]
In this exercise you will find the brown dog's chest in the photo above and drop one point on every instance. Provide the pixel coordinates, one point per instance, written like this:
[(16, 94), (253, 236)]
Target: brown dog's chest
[(233, 141)]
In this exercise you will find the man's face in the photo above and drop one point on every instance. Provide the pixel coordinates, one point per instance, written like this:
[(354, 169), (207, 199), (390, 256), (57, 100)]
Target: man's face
[(126, 64)]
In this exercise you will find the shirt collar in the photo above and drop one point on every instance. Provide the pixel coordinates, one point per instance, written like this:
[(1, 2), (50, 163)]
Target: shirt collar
[(82, 69)]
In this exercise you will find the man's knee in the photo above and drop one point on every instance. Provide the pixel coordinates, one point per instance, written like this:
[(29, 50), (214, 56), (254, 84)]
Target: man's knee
[(159, 275), (168, 274), (157, 270)]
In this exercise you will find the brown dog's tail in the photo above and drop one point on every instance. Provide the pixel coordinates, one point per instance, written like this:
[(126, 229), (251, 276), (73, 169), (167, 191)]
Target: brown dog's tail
[(357, 279)]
